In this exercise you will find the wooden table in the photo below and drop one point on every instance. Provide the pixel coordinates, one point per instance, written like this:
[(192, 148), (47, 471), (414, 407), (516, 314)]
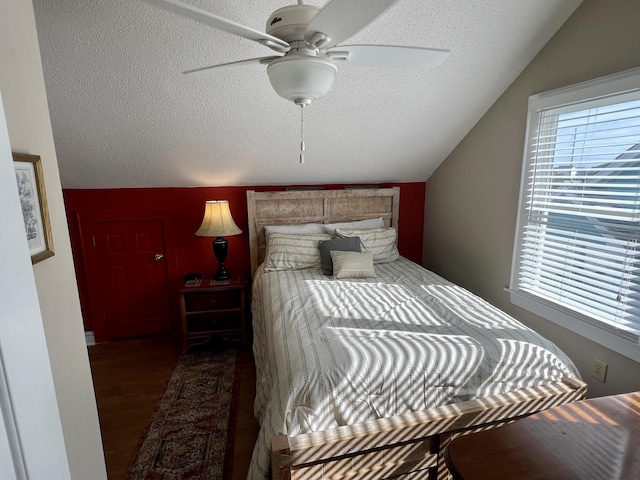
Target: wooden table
[(594, 439), (209, 307)]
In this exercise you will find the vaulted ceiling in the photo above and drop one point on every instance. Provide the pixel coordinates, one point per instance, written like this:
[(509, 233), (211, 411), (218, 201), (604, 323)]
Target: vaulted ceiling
[(124, 115)]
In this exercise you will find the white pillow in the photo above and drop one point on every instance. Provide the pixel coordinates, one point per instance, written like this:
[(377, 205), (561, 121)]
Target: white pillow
[(352, 264), (290, 251), (301, 229), (368, 223), (381, 242)]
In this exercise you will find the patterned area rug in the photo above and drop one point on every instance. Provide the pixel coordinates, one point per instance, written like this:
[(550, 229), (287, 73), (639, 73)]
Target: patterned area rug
[(188, 436)]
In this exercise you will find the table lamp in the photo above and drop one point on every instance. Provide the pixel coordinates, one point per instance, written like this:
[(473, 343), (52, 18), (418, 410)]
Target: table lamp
[(218, 222)]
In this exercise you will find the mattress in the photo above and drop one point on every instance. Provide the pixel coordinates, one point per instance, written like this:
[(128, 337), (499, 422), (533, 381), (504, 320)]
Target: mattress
[(334, 352)]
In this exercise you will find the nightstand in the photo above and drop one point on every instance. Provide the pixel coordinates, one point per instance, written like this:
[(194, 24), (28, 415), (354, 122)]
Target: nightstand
[(213, 308)]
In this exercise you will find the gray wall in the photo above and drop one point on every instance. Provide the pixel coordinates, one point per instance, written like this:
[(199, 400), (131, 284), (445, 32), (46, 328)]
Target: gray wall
[(471, 200)]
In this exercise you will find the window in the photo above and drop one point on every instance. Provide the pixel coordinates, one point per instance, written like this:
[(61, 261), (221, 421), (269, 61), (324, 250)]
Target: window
[(577, 247)]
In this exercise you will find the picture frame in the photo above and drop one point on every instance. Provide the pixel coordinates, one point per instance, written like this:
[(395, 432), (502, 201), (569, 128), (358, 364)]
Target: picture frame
[(33, 200)]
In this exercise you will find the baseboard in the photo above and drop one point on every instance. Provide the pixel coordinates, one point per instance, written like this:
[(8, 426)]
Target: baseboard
[(89, 338)]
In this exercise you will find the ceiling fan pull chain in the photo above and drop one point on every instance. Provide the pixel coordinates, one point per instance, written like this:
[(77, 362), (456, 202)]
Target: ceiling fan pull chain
[(301, 133)]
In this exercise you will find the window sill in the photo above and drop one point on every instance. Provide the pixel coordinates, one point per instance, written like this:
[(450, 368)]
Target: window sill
[(577, 325)]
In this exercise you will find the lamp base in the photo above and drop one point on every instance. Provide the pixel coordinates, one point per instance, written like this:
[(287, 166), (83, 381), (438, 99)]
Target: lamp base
[(220, 246), (222, 274)]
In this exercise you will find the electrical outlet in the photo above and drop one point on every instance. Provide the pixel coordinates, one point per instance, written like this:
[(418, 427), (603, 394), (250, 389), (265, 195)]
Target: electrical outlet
[(599, 370)]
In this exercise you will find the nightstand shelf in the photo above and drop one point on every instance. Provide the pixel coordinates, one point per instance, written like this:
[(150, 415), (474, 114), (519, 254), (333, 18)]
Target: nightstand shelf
[(211, 308)]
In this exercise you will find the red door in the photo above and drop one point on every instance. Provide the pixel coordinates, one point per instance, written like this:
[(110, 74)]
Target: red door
[(133, 279)]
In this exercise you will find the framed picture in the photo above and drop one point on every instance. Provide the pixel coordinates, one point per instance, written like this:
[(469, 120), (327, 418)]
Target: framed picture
[(34, 206)]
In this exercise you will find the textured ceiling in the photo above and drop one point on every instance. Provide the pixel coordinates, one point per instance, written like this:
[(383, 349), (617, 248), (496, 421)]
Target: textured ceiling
[(123, 115)]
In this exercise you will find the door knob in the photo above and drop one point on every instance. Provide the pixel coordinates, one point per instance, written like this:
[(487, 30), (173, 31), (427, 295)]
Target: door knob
[(158, 256)]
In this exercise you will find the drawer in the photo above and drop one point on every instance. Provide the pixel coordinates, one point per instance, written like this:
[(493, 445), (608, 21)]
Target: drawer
[(205, 301), (211, 323)]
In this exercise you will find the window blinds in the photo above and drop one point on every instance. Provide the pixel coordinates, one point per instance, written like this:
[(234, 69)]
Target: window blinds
[(579, 231)]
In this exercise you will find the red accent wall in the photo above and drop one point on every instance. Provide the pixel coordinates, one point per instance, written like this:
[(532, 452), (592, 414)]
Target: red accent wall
[(186, 206)]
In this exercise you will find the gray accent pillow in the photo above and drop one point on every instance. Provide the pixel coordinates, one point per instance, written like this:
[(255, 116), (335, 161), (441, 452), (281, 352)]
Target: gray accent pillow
[(350, 244)]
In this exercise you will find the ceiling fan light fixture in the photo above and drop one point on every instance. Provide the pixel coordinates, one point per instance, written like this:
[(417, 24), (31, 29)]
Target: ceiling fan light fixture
[(301, 79)]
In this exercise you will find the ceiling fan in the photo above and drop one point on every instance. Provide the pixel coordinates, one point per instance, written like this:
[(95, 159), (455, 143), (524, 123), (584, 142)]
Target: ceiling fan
[(307, 38)]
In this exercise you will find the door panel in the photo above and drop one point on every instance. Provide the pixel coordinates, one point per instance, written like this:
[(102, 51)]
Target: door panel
[(134, 293)]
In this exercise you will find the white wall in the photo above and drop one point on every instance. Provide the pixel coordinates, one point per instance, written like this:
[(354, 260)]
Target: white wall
[(32, 442), (25, 103), (472, 199)]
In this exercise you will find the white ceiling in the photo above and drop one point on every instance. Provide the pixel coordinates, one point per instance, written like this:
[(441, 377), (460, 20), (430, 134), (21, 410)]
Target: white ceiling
[(123, 115)]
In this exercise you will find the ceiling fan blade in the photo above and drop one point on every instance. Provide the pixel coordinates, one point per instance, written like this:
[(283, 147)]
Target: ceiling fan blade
[(239, 63), (388, 56), (341, 19), (220, 23)]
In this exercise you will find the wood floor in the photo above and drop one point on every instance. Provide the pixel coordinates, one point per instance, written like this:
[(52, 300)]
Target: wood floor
[(129, 378)]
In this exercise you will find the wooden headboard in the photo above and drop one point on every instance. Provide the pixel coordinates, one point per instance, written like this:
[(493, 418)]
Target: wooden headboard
[(315, 206)]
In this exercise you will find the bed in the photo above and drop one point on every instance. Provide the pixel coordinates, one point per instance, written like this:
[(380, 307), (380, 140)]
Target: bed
[(372, 377)]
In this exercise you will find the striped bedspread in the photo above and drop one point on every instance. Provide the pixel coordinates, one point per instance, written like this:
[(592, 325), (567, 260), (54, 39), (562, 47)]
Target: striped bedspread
[(335, 352)]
